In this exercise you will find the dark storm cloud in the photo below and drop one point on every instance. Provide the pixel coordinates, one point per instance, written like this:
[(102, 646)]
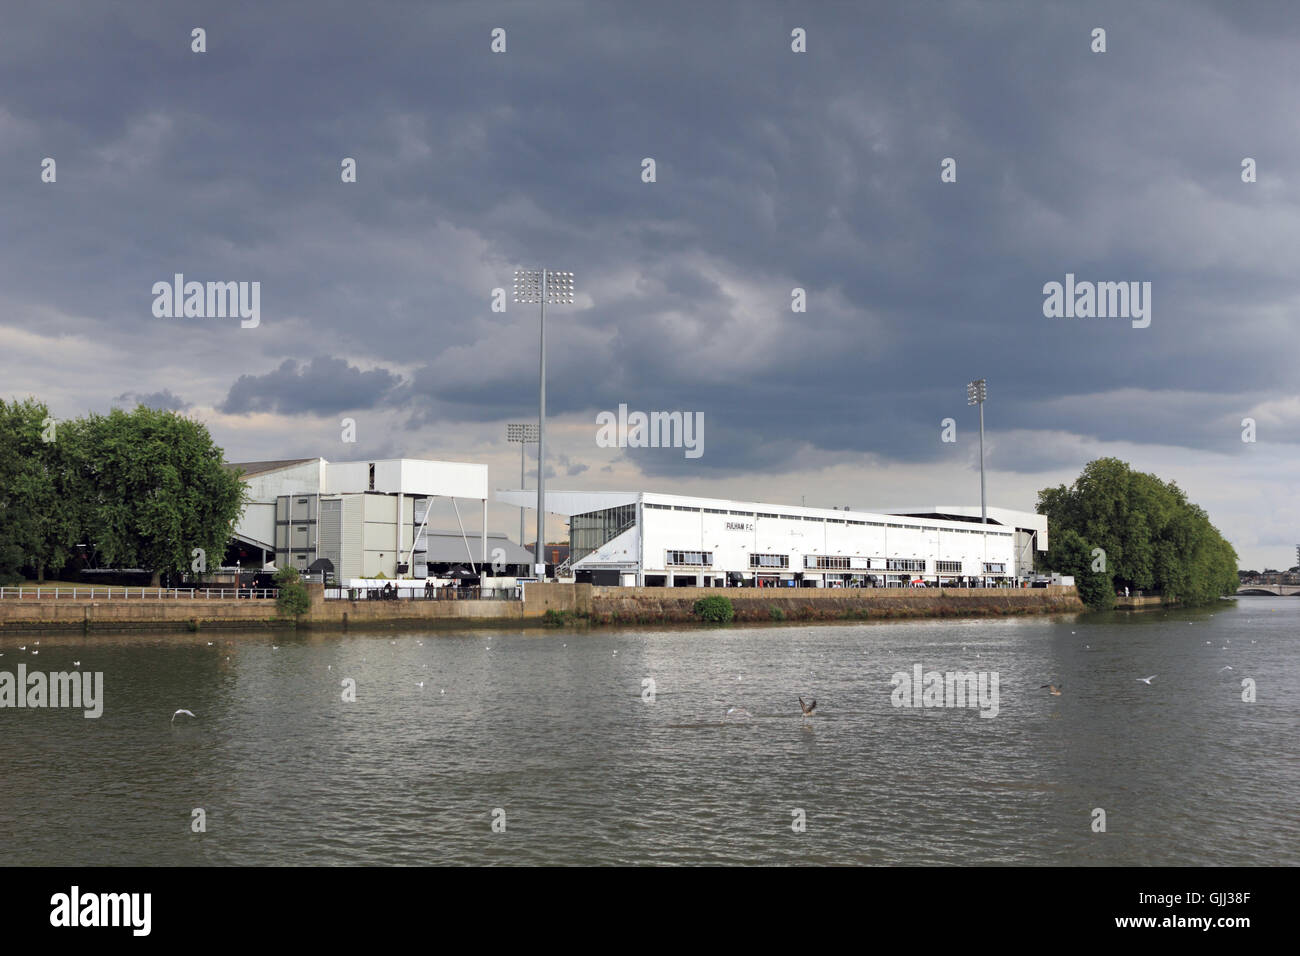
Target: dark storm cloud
[(164, 400), (321, 386), (775, 170)]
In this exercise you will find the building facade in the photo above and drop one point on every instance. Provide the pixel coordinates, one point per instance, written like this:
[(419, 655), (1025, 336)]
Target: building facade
[(367, 518), (643, 538)]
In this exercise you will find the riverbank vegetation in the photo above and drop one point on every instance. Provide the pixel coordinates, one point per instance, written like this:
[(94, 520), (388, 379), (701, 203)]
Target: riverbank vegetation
[(1117, 528), (144, 489)]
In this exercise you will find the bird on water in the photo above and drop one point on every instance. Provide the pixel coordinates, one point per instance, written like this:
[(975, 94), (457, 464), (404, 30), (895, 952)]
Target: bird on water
[(1053, 689), (807, 708)]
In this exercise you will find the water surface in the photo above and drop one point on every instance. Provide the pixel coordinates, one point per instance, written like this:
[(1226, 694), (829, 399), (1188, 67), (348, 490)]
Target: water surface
[(552, 728)]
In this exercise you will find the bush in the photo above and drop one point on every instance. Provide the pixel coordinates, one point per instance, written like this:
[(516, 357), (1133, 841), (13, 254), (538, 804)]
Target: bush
[(716, 609), (293, 600), (775, 613)]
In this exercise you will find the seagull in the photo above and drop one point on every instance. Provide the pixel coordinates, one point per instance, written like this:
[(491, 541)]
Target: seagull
[(1053, 689), (23, 648), (807, 708), (1146, 680), (443, 691), (78, 664), (209, 643), (1225, 667), (738, 712), (179, 712), (420, 685), (35, 652)]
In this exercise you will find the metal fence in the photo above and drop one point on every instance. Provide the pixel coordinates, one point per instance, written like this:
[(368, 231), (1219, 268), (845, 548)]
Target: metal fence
[(95, 592), (424, 594)]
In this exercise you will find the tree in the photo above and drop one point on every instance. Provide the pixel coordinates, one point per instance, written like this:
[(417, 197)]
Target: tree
[(293, 599), (1153, 538), (155, 489), (40, 516), (1071, 554)]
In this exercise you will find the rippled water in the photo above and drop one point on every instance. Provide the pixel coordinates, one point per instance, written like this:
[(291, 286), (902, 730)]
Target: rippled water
[(552, 728)]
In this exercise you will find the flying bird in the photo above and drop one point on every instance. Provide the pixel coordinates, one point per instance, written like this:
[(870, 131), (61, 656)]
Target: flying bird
[(78, 664), (179, 712), (807, 708), (1225, 667), (738, 712), (1146, 680), (1053, 689)]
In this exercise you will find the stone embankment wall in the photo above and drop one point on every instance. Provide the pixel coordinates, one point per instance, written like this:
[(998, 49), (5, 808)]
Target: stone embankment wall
[(584, 602)]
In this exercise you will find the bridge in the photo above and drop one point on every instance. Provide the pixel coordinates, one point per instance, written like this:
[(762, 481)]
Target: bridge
[(1277, 590)]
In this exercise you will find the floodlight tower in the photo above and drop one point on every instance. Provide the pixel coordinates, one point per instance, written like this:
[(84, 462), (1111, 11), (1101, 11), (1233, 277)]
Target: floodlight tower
[(523, 433), (976, 392), (542, 286)]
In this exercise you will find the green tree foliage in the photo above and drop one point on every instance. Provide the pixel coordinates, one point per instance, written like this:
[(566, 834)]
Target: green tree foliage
[(1070, 554), (158, 489), (142, 489), (293, 599), (1153, 538), (39, 523), (716, 609)]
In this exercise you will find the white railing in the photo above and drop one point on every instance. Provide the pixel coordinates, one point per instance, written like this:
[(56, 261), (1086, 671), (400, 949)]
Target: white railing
[(447, 593), (103, 592)]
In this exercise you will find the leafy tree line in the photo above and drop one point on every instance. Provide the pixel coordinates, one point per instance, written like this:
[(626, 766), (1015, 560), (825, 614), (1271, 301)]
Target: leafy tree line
[(1151, 538), (137, 489)]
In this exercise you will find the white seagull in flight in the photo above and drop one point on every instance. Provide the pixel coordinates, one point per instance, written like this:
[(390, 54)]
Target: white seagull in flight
[(1146, 680), (179, 712)]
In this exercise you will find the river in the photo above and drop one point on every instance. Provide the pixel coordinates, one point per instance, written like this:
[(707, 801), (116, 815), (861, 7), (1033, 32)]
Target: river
[(550, 747)]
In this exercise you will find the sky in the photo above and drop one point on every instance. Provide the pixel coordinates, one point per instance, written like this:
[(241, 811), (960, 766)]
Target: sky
[(774, 170)]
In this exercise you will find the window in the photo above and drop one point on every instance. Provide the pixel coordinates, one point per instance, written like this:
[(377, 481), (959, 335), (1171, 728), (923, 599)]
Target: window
[(769, 560), (811, 518), (714, 511), (905, 564), (658, 507), (828, 562), (684, 508), (372, 476), (589, 531), (995, 567), (948, 567), (744, 514), (692, 559), (763, 514)]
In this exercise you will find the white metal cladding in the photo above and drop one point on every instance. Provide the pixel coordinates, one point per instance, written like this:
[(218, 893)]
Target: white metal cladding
[(411, 476), (732, 531)]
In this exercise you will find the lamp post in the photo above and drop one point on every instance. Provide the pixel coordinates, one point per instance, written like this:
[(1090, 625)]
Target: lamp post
[(542, 286), (523, 434), (976, 392)]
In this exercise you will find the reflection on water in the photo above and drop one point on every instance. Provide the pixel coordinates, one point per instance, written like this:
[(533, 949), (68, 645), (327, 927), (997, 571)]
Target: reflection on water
[(590, 764)]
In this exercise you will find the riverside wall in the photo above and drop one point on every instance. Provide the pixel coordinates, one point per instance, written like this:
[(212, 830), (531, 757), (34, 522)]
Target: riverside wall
[(571, 602)]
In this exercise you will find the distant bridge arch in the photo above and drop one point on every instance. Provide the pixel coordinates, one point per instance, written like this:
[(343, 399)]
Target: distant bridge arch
[(1276, 590)]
